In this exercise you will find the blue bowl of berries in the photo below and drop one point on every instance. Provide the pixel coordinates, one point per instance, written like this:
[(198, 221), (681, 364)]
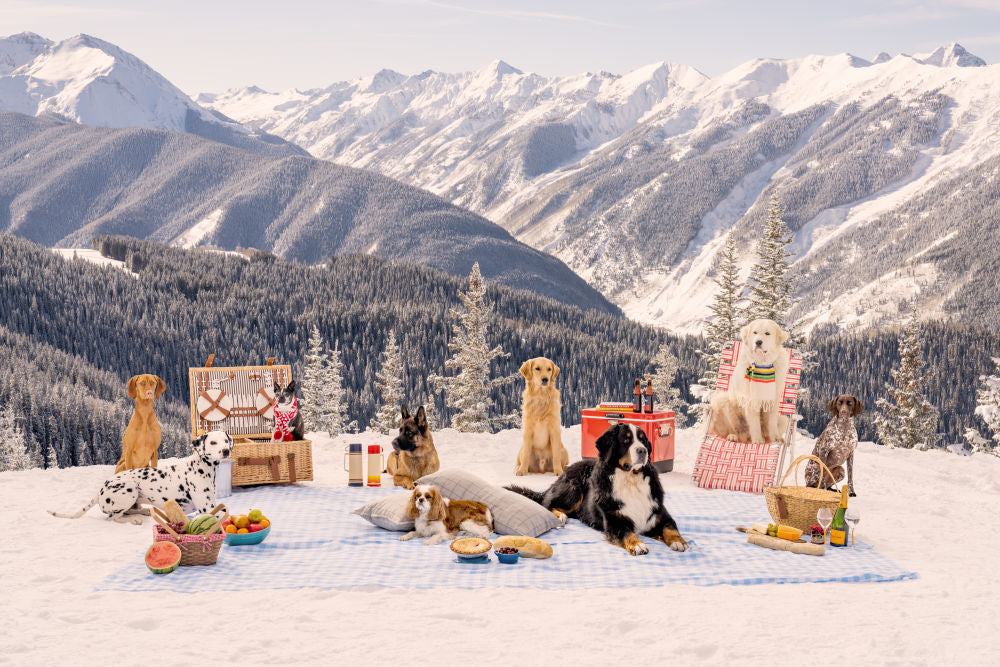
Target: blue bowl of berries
[(507, 555)]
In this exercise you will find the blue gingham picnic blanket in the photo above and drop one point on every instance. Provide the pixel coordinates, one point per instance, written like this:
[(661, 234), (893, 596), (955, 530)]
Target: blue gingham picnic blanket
[(315, 542)]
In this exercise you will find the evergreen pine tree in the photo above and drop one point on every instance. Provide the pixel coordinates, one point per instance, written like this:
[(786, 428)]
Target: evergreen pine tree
[(769, 284), (335, 414), (83, 456), (389, 383), (908, 420), (987, 409), (51, 457), (469, 391), (665, 367), (728, 313), (315, 392), (13, 447)]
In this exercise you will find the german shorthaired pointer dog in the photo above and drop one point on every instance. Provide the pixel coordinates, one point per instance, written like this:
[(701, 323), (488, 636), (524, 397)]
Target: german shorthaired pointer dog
[(835, 446)]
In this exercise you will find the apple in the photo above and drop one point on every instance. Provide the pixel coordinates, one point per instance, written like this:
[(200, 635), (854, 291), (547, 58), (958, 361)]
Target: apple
[(254, 516), (254, 527)]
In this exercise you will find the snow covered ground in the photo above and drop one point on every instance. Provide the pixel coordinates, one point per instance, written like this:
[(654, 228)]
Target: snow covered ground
[(928, 511)]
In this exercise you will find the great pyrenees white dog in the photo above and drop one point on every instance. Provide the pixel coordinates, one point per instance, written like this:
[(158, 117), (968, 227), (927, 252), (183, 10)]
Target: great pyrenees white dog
[(748, 411)]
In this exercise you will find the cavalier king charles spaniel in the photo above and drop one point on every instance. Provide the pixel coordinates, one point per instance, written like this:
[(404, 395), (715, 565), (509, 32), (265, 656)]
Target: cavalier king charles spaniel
[(437, 518)]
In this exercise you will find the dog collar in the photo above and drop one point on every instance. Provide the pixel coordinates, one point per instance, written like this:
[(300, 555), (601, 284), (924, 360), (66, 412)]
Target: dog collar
[(763, 374)]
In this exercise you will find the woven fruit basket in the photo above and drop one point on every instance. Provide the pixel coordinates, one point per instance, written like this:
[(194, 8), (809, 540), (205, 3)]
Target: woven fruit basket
[(195, 549), (796, 506)]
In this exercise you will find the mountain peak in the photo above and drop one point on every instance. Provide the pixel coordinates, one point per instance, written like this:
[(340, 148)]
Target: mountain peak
[(383, 80), (500, 68), (952, 55), (20, 49), (882, 57)]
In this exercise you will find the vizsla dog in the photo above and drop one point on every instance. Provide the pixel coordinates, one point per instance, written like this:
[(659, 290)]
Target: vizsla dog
[(142, 435)]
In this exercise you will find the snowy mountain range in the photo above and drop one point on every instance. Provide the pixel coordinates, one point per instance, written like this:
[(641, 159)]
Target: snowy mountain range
[(93, 82), (62, 184), (634, 179)]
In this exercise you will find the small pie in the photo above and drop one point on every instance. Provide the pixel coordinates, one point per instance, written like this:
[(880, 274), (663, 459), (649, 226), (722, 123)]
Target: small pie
[(470, 546)]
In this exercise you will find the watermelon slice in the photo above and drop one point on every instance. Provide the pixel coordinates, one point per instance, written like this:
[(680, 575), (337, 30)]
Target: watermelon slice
[(163, 557)]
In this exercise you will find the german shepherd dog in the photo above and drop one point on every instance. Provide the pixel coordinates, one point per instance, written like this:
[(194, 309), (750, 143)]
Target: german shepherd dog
[(618, 494), (413, 454)]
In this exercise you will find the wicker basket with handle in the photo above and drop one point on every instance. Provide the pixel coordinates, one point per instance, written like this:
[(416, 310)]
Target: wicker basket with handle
[(240, 401), (195, 549), (796, 506)]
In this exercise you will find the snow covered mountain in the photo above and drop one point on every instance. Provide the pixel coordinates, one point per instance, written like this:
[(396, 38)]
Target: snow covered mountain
[(62, 184), (92, 82), (633, 179)]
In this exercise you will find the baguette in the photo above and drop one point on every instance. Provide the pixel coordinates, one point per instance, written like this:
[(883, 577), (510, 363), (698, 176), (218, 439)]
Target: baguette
[(529, 547), (753, 537)]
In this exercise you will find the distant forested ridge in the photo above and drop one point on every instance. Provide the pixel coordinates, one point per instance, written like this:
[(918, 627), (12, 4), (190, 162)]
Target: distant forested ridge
[(72, 333), (186, 304)]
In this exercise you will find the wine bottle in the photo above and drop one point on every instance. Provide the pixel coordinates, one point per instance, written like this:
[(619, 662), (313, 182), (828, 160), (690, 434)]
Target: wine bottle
[(838, 528)]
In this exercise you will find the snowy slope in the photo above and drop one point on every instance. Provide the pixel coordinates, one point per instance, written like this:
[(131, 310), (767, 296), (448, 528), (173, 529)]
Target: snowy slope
[(94, 82), (924, 510), (632, 179)]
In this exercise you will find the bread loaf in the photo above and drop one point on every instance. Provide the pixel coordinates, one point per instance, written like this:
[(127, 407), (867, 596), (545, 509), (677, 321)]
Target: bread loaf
[(753, 537), (529, 547), (174, 512)]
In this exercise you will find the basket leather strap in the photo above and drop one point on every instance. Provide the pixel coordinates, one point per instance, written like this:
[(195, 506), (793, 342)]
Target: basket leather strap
[(291, 467), (782, 508), (272, 461), (263, 392)]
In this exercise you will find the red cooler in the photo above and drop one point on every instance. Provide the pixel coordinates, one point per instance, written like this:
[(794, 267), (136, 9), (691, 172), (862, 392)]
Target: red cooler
[(658, 426)]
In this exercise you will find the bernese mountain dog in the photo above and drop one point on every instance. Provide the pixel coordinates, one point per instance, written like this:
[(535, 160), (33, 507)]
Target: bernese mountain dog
[(619, 493)]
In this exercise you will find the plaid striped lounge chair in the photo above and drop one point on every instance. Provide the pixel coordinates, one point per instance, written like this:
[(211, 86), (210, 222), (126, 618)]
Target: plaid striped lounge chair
[(741, 466)]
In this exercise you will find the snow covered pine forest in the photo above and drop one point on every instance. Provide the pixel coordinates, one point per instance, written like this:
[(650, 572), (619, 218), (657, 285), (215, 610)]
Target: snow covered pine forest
[(354, 370)]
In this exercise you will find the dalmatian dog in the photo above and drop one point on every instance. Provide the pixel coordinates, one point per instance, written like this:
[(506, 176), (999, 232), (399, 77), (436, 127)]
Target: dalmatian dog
[(189, 481)]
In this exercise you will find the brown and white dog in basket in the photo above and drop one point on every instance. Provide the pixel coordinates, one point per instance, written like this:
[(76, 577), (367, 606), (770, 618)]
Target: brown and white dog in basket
[(835, 446), (437, 518), (542, 449), (142, 435)]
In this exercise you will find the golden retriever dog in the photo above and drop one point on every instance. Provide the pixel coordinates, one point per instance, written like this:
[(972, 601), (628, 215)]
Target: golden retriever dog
[(748, 412), (142, 435), (438, 518), (542, 449), (413, 454)]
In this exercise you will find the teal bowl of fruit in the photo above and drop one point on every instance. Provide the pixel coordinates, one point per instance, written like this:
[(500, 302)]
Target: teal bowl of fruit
[(241, 539)]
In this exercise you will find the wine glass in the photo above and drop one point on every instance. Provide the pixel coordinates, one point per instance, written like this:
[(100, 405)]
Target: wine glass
[(825, 518), (853, 516)]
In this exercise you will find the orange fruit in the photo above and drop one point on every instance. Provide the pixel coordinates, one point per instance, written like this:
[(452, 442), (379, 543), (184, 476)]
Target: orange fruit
[(264, 523), (242, 521), (242, 531), (231, 529)]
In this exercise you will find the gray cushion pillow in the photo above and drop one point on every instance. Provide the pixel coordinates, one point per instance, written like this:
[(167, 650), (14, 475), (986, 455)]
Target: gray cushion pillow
[(388, 512), (513, 514)]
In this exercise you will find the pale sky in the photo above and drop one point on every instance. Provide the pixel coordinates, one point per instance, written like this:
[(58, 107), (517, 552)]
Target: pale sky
[(212, 45)]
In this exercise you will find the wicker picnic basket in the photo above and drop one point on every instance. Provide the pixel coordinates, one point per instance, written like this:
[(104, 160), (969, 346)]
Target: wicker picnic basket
[(240, 400), (796, 506), (195, 549)]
